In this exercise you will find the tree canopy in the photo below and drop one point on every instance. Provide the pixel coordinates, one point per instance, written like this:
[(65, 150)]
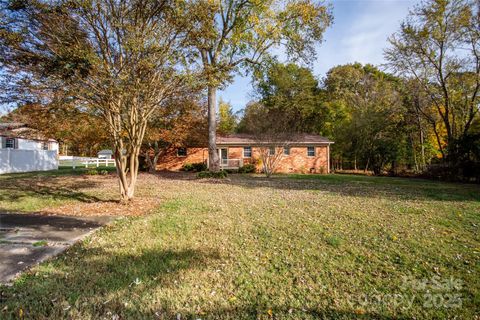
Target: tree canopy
[(379, 122), (227, 120), (292, 92), (120, 61)]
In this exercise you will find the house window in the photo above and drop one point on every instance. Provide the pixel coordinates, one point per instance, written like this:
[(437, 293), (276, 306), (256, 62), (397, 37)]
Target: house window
[(247, 152), (271, 151), (286, 151), (311, 151), (182, 152), (10, 143), (44, 145)]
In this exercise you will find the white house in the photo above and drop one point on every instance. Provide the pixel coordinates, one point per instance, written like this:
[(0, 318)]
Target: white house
[(23, 149), (105, 154)]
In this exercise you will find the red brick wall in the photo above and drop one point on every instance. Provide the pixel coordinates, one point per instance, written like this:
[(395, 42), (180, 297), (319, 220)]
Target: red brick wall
[(170, 161), (299, 162), (235, 152), (296, 162)]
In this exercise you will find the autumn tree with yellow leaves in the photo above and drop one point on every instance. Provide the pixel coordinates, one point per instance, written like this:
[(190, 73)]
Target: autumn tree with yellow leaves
[(438, 46)]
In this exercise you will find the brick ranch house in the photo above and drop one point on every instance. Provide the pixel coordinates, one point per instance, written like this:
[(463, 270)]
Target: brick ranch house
[(306, 153)]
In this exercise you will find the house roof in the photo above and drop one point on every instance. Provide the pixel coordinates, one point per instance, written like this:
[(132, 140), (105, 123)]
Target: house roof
[(20, 130), (11, 125), (105, 151), (292, 139)]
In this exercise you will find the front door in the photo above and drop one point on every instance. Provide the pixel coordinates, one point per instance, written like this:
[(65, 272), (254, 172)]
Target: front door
[(224, 156)]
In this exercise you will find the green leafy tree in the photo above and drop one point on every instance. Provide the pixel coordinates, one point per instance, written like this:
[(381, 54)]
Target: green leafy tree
[(420, 119), (234, 35), (227, 121), (293, 94), (370, 132)]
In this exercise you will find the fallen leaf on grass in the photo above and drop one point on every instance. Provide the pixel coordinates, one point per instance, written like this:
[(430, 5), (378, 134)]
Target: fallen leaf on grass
[(360, 311)]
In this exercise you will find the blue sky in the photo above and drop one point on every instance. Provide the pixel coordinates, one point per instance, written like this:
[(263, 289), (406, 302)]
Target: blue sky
[(359, 33)]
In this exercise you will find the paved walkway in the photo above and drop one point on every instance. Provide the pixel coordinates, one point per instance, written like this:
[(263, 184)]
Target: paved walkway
[(27, 239)]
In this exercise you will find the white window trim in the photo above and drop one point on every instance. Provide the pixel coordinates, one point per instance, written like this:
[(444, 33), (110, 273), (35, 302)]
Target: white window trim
[(251, 152), (7, 140), (314, 152)]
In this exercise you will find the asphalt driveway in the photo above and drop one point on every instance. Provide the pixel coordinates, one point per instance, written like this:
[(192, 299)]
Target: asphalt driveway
[(27, 239)]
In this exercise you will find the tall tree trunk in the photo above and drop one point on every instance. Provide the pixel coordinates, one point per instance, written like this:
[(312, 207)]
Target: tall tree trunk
[(127, 170), (123, 183), (414, 153), (152, 162), (422, 144), (213, 159)]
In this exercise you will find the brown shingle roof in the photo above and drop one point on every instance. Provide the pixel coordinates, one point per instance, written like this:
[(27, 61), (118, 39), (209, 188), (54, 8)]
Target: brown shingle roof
[(242, 139)]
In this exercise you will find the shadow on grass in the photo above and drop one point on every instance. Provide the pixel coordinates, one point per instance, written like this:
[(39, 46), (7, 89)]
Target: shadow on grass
[(350, 185), (96, 283), (62, 171), (38, 221), (254, 311), (55, 185)]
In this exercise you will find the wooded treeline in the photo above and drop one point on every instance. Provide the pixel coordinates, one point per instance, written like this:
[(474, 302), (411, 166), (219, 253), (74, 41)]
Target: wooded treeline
[(379, 122), (417, 114)]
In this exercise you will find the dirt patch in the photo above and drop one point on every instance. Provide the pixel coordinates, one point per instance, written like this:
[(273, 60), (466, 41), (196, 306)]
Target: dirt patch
[(108, 204), (137, 207)]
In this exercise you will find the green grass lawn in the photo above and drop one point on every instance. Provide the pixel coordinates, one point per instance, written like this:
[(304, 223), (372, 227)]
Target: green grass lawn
[(34, 191), (290, 247)]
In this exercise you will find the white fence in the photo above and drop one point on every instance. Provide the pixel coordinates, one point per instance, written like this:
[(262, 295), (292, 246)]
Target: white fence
[(17, 160), (74, 162)]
